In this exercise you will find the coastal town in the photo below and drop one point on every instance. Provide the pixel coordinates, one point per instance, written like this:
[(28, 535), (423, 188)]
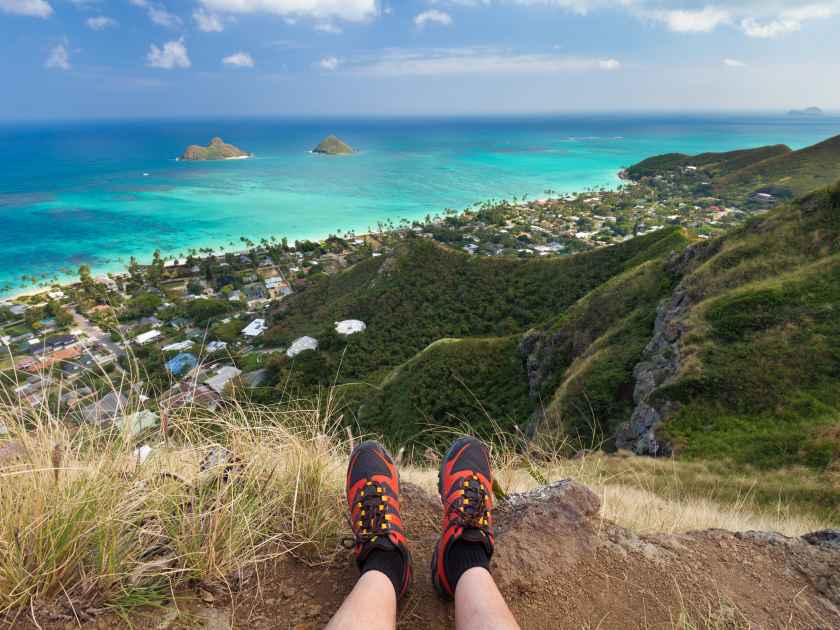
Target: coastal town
[(196, 329)]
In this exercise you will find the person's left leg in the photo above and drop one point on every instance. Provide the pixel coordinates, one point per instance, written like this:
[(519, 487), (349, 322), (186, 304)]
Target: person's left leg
[(373, 491)]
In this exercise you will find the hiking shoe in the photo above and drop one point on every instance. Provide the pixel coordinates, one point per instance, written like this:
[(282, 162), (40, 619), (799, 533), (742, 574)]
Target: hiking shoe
[(465, 484), (373, 491)]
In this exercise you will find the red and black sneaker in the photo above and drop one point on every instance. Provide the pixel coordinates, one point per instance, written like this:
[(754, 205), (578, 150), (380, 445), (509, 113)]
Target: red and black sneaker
[(465, 483), (373, 496)]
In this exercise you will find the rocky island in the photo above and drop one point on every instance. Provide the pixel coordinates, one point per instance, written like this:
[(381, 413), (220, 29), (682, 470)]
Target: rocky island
[(333, 146), (808, 111), (216, 150)]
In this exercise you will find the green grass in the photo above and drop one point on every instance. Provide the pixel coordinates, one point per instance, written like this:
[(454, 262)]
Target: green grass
[(424, 292), (762, 347), (714, 163), (480, 383)]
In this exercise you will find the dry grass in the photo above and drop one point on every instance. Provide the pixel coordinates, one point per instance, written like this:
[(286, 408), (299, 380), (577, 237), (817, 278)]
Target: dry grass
[(85, 520)]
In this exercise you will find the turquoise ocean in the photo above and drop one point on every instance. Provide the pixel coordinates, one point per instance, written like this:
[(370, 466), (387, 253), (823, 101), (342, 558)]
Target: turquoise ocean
[(99, 192)]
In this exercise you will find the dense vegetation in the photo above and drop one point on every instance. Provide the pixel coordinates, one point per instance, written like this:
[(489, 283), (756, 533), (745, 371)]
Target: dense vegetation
[(423, 292), (759, 382), (718, 163), (550, 345), (738, 174)]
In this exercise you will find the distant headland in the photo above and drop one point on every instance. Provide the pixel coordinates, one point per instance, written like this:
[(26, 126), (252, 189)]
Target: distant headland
[(333, 146), (216, 150), (808, 111)]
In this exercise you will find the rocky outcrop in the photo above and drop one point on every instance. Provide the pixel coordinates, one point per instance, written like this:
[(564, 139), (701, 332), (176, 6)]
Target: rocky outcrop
[(333, 146), (661, 360), (216, 150)]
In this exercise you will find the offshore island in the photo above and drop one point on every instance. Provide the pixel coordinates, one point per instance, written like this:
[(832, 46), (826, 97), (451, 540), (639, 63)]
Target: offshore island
[(333, 145), (216, 150)]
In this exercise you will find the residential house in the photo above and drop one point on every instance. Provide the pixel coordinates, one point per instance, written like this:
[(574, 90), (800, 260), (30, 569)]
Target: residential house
[(222, 378)]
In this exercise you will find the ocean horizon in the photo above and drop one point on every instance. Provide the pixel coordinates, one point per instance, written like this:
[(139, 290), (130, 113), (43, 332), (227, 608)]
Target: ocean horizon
[(100, 192)]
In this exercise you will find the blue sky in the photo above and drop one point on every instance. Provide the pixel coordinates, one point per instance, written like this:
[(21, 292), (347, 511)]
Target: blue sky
[(145, 58)]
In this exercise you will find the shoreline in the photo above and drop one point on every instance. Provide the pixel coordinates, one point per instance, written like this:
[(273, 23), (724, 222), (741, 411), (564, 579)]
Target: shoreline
[(145, 259)]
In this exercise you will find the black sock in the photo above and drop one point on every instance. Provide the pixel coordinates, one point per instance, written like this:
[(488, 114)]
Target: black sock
[(463, 556), (391, 563)]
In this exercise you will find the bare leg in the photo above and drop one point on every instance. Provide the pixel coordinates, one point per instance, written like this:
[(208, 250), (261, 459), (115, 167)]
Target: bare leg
[(372, 605), (479, 605)]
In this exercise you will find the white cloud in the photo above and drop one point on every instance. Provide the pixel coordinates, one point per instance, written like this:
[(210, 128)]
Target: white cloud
[(100, 22), (32, 8), (351, 10), (734, 63), (433, 17), (704, 20), (158, 13), (753, 28), (207, 22), (172, 55), (59, 58), (755, 18), (329, 63), (462, 61), (328, 27), (239, 60)]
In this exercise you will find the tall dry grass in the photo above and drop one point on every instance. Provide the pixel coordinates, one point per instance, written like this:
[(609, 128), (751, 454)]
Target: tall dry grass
[(85, 519)]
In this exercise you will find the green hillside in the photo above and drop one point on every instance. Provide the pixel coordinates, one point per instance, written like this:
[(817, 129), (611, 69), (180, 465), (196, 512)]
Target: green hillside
[(714, 163), (423, 292), (737, 175), (759, 347), (738, 337), (797, 172)]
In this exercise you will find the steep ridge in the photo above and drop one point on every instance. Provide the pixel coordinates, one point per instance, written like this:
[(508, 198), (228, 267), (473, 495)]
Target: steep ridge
[(744, 360)]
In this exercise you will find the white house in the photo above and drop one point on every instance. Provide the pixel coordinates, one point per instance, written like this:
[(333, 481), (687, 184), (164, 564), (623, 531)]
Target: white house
[(301, 345), (219, 381), (178, 347), (147, 337), (255, 328), (350, 327), (216, 346)]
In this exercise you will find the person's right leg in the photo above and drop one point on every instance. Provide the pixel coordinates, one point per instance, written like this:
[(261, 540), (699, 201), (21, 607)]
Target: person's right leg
[(479, 605)]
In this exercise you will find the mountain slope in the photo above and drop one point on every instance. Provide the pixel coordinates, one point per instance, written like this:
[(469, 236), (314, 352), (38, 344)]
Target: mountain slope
[(745, 361), (798, 172), (738, 174), (423, 292), (715, 163)]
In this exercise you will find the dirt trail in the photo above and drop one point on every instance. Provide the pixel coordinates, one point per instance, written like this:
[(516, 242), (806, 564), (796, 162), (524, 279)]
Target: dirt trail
[(559, 566)]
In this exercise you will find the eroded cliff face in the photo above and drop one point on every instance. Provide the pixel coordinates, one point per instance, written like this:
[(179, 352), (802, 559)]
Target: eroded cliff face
[(662, 359)]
